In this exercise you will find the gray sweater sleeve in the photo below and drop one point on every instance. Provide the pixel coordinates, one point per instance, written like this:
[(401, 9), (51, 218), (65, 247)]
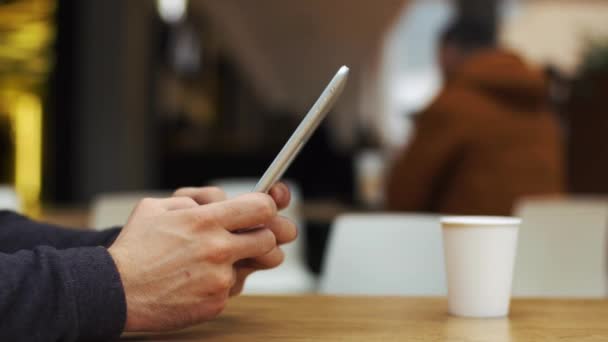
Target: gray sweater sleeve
[(18, 232), (57, 291)]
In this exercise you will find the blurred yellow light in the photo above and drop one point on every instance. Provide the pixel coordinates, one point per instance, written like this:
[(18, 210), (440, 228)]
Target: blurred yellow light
[(26, 33), (27, 124)]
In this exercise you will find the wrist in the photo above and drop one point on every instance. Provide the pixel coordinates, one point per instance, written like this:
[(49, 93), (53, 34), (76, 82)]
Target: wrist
[(135, 308)]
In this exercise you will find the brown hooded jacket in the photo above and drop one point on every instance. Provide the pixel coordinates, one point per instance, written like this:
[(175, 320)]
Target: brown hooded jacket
[(487, 140)]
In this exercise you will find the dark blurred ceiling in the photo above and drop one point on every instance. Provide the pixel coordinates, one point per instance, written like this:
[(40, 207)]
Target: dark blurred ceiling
[(290, 49)]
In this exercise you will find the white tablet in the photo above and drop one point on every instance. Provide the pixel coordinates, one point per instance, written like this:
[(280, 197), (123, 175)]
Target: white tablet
[(305, 129)]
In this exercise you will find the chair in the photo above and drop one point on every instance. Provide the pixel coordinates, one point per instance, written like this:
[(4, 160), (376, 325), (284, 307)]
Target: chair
[(384, 254), (9, 199), (292, 276), (113, 209), (562, 248)]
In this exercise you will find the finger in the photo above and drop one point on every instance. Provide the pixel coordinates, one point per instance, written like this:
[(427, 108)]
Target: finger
[(281, 195), (242, 274), (247, 266), (284, 229), (252, 244), (249, 210), (267, 261), (202, 195), (175, 203)]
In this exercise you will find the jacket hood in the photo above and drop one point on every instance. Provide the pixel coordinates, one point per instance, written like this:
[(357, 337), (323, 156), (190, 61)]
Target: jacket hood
[(504, 77)]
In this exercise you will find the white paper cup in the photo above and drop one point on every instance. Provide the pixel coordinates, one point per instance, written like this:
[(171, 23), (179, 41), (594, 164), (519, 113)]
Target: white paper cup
[(479, 257), (370, 168)]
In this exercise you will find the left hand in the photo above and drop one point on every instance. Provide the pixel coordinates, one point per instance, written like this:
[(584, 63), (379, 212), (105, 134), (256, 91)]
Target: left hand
[(284, 230)]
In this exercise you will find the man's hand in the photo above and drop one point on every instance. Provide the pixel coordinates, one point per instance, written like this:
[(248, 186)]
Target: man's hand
[(176, 258), (284, 230)]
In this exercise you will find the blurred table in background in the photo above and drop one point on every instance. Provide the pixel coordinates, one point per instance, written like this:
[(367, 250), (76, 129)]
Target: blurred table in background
[(318, 318), (66, 217)]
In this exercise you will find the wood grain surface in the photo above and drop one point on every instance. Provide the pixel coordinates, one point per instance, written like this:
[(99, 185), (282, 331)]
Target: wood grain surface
[(319, 318)]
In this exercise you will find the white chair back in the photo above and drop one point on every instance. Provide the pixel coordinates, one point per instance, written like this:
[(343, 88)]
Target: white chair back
[(562, 248), (384, 254), (113, 209), (293, 275), (9, 199)]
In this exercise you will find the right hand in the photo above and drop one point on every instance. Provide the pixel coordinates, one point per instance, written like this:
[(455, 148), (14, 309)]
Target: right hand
[(284, 230), (176, 258)]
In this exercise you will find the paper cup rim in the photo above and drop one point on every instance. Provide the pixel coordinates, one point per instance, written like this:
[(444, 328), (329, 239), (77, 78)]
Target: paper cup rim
[(479, 221)]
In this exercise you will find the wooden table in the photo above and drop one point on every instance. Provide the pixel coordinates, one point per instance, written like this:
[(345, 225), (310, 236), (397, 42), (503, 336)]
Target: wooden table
[(317, 318)]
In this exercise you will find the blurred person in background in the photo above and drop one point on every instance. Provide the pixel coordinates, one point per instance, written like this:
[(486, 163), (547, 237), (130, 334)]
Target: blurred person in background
[(488, 139), (175, 263)]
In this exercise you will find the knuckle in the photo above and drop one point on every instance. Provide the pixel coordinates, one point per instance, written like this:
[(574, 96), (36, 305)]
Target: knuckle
[(219, 255), (280, 257), (191, 202), (219, 250), (266, 206), (187, 200), (293, 230), (288, 230), (222, 281), (203, 219), (276, 258), (267, 241), (146, 203), (215, 191), (181, 192)]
